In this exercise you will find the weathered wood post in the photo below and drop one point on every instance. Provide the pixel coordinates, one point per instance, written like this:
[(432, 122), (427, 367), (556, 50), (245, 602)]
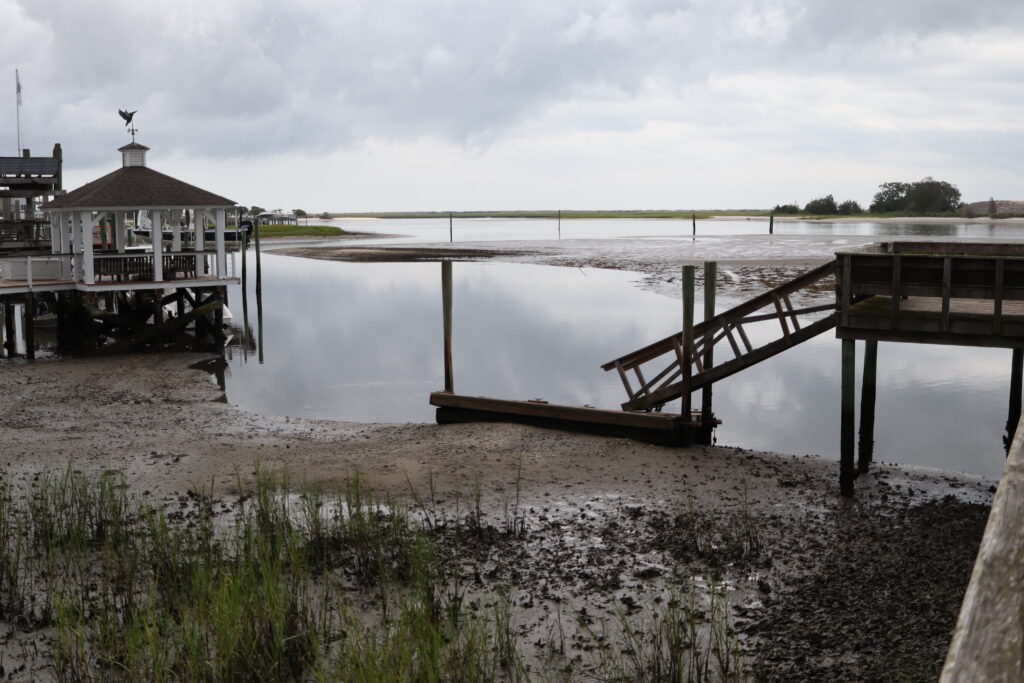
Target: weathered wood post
[(446, 295), (559, 224), (710, 283), (694, 225), (1013, 417), (158, 318), (771, 224), (846, 442), (30, 326), (688, 286), (9, 341), (451, 235), (259, 267), (866, 438)]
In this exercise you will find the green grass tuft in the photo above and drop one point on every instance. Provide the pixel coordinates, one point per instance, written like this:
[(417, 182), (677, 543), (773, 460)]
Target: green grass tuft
[(300, 231)]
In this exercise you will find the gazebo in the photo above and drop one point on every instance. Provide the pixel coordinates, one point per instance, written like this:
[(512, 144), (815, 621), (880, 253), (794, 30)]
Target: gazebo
[(96, 260)]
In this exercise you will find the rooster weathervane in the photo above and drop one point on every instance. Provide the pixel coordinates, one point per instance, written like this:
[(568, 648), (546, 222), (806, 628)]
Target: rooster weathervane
[(128, 116)]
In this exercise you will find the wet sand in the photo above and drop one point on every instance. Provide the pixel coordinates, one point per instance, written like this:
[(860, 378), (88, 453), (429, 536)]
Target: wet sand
[(600, 514)]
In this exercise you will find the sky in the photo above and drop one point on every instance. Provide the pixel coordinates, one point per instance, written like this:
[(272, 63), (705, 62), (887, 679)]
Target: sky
[(391, 105)]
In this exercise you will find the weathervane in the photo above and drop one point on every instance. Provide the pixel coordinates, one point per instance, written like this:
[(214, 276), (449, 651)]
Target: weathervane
[(128, 116)]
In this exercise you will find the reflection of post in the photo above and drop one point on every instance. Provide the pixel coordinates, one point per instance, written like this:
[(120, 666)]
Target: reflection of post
[(710, 279), (446, 295), (866, 441), (846, 429), (259, 312), (688, 280), (1013, 417)]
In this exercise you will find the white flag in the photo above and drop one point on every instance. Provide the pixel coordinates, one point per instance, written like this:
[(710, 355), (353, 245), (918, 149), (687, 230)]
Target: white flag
[(17, 85)]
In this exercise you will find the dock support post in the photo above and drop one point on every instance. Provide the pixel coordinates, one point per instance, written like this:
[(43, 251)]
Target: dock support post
[(694, 218), (1016, 375), (866, 439), (706, 411), (846, 443), (259, 266), (9, 342), (30, 326), (771, 224), (446, 294), (688, 286), (158, 318)]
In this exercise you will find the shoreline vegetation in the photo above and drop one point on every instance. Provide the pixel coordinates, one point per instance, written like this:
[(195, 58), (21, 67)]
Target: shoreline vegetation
[(278, 230), (681, 214)]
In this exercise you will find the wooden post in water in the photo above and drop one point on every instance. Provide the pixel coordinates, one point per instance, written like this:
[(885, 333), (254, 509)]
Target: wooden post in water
[(559, 224), (694, 225), (846, 438), (866, 438), (771, 224), (30, 326), (1013, 417), (446, 296), (688, 285), (9, 341), (259, 267), (710, 283), (451, 234)]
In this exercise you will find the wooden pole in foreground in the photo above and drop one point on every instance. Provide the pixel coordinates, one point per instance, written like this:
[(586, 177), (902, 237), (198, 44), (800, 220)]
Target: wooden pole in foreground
[(846, 432), (688, 282), (771, 224), (866, 439), (446, 295), (710, 283), (1016, 373)]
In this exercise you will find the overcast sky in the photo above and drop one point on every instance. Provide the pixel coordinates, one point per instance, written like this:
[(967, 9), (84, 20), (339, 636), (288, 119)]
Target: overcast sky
[(353, 105)]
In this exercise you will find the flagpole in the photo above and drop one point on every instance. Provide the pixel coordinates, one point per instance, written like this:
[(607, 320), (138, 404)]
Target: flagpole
[(17, 88)]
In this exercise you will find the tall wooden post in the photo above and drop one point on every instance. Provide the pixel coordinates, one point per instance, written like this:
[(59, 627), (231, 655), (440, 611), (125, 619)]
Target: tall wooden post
[(866, 438), (771, 224), (451, 235), (30, 326), (688, 285), (9, 341), (446, 296), (158, 318), (559, 224), (710, 283), (694, 225), (259, 279), (846, 443), (1013, 417)]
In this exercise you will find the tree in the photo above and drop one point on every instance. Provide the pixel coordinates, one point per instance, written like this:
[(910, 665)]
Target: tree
[(325, 216), (256, 210), (932, 196), (822, 206), (786, 208), (850, 207), (890, 197)]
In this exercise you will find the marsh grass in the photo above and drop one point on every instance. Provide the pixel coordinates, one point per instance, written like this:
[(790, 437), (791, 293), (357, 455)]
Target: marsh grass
[(294, 584)]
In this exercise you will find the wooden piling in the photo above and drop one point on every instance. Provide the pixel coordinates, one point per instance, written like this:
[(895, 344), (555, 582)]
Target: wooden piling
[(451, 235), (30, 326), (446, 295), (688, 286), (1016, 375), (866, 438), (710, 284), (259, 267), (846, 441), (559, 224), (9, 341), (158, 318), (771, 224), (694, 225)]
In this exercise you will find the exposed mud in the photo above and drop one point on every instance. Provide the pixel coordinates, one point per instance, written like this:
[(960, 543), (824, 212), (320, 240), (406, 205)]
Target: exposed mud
[(579, 529)]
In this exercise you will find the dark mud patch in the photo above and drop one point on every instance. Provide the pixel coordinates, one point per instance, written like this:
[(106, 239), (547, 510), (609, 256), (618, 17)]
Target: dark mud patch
[(882, 602)]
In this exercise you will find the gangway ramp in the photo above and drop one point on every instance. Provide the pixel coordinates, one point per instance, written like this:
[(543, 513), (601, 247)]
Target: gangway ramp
[(663, 361)]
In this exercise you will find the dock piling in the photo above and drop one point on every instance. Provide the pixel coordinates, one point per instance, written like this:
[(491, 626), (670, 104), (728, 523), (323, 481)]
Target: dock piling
[(846, 444), (866, 439), (771, 224), (706, 410), (1016, 375), (446, 295), (9, 341), (688, 286), (30, 326)]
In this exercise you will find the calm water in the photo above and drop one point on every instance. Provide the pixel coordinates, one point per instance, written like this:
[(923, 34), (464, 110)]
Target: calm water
[(362, 342)]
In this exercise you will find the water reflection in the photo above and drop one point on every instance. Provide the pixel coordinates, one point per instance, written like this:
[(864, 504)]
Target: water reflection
[(363, 342)]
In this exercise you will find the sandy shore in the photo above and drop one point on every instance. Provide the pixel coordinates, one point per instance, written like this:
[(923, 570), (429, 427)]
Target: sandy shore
[(600, 514)]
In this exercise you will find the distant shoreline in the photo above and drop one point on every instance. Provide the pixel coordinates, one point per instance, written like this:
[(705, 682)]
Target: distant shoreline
[(671, 215)]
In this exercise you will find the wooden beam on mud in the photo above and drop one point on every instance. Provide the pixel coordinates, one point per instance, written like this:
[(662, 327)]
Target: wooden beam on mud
[(659, 428)]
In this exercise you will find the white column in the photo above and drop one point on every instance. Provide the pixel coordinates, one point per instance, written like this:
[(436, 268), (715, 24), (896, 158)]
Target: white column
[(76, 246), (175, 231), (88, 267), (54, 232), (157, 231), (222, 263), (199, 221), (119, 231)]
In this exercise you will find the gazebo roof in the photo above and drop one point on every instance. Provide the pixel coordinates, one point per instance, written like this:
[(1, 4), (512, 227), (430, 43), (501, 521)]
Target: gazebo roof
[(138, 187)]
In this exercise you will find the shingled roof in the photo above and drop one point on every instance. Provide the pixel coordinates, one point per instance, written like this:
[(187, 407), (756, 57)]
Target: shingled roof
[(138, 187)]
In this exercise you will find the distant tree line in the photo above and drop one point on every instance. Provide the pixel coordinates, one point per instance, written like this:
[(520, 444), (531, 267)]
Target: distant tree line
[(927, 196)]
